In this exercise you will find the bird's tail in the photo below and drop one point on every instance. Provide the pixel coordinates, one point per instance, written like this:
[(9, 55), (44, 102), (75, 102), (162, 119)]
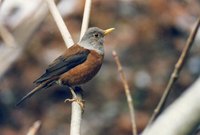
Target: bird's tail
[(36, 89)]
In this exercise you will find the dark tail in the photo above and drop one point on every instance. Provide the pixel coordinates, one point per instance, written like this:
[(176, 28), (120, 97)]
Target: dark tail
[(36, 89)]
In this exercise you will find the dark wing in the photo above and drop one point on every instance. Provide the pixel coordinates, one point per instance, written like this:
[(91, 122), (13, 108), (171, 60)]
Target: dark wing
[(63, 64)]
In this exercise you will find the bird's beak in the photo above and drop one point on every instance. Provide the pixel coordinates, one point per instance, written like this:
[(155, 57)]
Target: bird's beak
[(108, 31)]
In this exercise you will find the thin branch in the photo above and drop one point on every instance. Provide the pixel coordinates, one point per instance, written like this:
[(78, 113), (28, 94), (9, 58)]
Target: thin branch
[(34, 129), (127, 91), (86, 17), (60, 23), (176, 72)]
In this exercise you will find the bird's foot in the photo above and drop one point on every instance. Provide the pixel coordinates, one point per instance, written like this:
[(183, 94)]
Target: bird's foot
[(77, 100)]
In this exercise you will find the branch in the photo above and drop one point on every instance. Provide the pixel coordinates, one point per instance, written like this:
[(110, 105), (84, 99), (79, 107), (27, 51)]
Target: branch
[(176, 72), (60, 23), (34, 129), (127, 91), (86, 17), (77, 110), (180, 117)]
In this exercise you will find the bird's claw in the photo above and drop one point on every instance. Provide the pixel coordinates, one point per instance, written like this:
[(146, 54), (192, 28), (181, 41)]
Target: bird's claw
[(77, 100)]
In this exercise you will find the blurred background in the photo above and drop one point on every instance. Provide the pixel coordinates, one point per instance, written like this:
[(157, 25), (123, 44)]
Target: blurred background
[(149, 37)]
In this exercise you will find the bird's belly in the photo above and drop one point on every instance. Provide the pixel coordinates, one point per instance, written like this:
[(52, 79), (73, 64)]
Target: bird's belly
[(80, 74)]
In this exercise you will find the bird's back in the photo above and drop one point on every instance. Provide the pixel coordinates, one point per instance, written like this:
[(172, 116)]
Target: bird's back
[(83, 72)]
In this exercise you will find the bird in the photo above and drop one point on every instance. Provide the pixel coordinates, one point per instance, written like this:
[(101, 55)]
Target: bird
[(77, 65)]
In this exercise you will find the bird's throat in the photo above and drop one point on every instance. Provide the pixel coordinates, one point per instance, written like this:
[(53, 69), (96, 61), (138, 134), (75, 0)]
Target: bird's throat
[(98, 47)]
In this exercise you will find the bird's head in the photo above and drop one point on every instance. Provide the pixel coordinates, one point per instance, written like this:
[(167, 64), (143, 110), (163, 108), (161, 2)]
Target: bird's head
[(93, 39)]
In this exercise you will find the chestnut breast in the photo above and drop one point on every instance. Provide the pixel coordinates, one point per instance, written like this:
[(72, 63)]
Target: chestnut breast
[(83, 72)]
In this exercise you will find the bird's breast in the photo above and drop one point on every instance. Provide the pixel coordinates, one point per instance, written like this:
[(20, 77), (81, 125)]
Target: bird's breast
[(83, 72)]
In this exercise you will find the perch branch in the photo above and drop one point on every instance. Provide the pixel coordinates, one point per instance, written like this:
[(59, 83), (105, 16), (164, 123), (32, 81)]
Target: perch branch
[(76, 107), (77, 110), (127, 91), (60, 23), (176, 72), (34, 129), (76, 114)]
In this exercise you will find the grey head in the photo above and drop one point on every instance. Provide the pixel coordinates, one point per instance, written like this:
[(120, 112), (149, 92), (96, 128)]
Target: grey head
[(93, 39)]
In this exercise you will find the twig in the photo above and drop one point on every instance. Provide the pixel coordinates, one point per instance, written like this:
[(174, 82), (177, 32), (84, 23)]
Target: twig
[(181, 117), (127, 91), (60, 23), (176, 72), (33, 130), (86, 17)]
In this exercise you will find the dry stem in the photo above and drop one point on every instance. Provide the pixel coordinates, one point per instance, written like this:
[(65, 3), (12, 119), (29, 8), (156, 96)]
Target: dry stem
[(86, 17), (33, 129), (127, 91), (176, 72), (77, 110), (60, 23)]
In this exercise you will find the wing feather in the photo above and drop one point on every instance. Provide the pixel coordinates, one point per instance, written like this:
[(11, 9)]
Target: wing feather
[(64, 63)]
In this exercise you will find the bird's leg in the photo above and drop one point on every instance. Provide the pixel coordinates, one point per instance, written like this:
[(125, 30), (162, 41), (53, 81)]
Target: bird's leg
[(75, 98)]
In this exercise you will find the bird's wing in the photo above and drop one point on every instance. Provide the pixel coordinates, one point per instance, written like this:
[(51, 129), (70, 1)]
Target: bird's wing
[(72, 57)]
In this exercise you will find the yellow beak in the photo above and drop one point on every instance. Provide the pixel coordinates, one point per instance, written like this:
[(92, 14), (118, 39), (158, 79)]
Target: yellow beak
[(108, 31)]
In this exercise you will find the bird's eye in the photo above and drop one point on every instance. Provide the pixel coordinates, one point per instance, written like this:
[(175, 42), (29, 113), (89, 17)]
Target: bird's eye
[(96, 35)]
